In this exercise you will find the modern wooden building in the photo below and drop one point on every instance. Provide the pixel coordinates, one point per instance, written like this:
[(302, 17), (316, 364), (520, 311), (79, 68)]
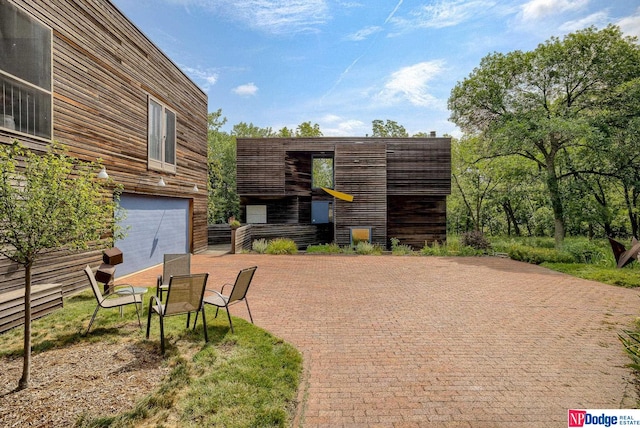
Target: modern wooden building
[(399, 186), (79, 72)]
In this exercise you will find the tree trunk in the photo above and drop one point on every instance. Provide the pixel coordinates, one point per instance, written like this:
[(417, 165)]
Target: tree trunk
[(26, 362), (556, 204)]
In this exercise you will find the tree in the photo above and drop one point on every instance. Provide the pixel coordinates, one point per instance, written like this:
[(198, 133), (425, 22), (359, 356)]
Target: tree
[(243, 130), (223, 196), (389, 129), (539, 105), (50, 201), (305, 129)]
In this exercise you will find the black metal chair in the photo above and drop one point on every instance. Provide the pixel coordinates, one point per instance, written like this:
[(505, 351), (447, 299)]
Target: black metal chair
[(238, 293), (184, 295)]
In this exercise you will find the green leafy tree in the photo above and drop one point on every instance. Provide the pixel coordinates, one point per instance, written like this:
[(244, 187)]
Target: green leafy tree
[(50, 201), (539, 105), (306, 129), (244, 130), (389, 129), (223, 196)]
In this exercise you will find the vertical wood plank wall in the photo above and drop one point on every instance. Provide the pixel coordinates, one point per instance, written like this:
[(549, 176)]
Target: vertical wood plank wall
[(104, 70)]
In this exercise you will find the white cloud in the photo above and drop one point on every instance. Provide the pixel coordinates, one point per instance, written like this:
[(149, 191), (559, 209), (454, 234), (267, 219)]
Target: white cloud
[(363, 34), (336, 126), (446, 13), (411, 84), (538, 9), (269, 16), (205, 78), (246, 90), (599, 19), (630, 25)]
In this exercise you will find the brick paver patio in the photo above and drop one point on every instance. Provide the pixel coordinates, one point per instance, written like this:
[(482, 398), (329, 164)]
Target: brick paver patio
[(428, 341)]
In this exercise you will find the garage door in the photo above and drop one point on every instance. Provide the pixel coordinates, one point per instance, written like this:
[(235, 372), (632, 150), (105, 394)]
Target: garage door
[(156, 226)]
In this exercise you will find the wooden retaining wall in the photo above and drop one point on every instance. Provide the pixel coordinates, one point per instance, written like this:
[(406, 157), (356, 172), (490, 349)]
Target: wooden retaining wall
[(45, 298)]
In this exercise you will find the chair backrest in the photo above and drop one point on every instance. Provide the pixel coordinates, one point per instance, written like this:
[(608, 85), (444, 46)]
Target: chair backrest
[(185, 293), (241, 286), (175, 264), (94, 283)]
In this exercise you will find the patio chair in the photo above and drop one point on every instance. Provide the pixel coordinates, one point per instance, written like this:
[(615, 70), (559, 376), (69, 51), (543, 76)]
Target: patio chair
[(622, 255), (174, 264), (184, 295), (112, 300), (237, 294)]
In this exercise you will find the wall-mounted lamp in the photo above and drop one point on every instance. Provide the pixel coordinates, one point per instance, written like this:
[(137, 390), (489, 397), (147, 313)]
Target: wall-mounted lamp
[(161, 182), (102, 175), (195, 188)]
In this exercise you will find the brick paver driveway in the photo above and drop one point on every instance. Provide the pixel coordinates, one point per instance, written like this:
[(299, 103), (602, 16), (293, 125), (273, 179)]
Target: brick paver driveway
[(428, 341)]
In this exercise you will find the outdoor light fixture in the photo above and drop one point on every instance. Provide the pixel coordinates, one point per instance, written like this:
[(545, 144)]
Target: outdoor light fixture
[(161, 182), (195, 188), (102, 175)]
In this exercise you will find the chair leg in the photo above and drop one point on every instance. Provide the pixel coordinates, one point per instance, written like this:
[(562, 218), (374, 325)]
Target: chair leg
[(162, 334), (196, 320), (137, 312), (204, 324), (229, 316), (189, 320), (250, 317), (217, 309), (92, 318), (149, 321)]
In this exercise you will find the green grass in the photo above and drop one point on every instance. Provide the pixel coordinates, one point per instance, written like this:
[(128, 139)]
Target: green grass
[(579, 256), (245, 379)]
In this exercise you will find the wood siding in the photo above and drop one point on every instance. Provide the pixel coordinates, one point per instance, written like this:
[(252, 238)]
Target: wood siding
[(416, 220), (419, 166), (104, 70), (361, 171), (399, 184), (260, 167)]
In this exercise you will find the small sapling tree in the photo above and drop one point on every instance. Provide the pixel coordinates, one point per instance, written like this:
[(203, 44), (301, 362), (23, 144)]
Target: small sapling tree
[(51, 201)]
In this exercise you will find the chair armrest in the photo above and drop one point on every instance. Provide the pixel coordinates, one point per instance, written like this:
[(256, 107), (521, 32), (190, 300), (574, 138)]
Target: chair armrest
[(112, 290), (216, 292), (158, 302), (224, 285)]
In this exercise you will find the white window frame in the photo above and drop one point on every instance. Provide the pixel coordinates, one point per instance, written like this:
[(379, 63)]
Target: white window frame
[(161, 164), (18, 90)]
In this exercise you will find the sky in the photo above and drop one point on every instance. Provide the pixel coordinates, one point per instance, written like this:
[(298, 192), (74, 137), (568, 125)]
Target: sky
[(344, 63)]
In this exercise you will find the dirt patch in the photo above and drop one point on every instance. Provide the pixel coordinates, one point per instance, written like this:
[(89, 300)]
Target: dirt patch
[(90, 378)]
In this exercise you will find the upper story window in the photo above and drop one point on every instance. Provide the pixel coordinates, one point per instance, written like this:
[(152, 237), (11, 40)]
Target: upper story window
[(162, 137), (322, 172), (25, 73)]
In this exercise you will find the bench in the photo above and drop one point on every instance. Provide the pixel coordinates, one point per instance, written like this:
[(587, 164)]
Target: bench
[(45, 298)]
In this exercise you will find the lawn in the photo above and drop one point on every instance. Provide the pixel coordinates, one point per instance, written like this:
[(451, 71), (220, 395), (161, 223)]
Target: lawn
[(249, 378)]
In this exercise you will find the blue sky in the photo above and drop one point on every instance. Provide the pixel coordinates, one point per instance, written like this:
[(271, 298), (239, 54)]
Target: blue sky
[(344, 63)]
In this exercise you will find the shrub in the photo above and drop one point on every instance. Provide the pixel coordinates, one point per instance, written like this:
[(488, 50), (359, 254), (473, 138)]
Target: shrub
[(398, 249), (282, 246), (324, 249), (260, 246), (367, 248), (538, 255), (475, 239)]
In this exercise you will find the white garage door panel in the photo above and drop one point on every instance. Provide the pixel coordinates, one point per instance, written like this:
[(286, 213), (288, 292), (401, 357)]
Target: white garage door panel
[(155, 226)]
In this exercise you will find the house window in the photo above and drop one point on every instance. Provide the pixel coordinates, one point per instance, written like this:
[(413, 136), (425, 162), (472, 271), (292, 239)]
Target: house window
[(359, 234), (256, 214), (25, 73), (322, 172), (162, 137)]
